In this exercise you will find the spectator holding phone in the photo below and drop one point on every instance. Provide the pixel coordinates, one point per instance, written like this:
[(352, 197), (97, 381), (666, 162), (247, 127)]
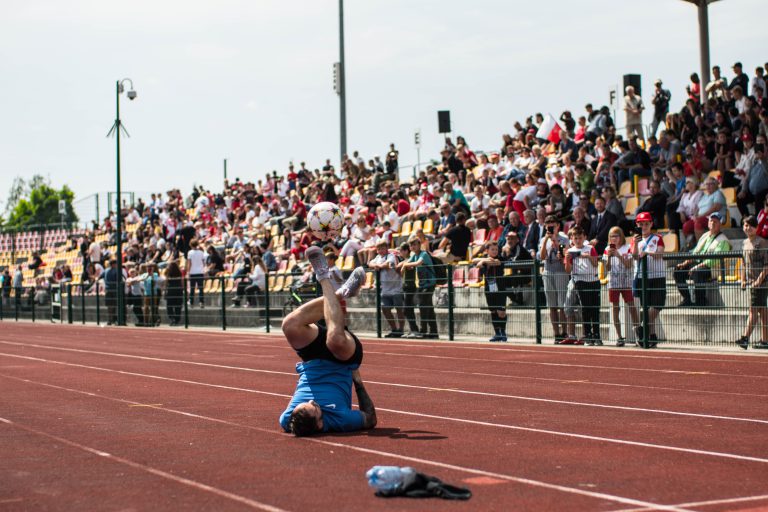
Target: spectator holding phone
[(618, 264), (650, 246)]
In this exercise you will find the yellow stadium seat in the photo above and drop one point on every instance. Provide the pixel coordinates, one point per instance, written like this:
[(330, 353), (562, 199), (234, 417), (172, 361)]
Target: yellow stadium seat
[(405, 229), (277, 284), (625, 190), (730, 195), (671, 242), (416, 226), (348, 263), (631, 206), (428, 226)]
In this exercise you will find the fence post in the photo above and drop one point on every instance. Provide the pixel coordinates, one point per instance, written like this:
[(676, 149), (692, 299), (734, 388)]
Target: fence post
[(536, 303), (449, 270), (378, 303), (98, 304), (644, 295), (266, 303), (186, 305), (17, 301), (69, 303), (82, 303), (33, 307), (2, 304), (223, 303)]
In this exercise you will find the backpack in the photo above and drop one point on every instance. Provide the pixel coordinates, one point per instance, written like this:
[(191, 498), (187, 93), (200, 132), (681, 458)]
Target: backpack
[(441, 273)]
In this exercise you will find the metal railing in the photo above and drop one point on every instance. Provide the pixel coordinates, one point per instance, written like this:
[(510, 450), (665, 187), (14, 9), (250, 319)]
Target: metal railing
[(460, 305)]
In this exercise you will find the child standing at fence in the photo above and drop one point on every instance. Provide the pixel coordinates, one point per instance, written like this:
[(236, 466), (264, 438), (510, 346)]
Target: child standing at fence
[(581, 262), (618, 264), (495, 295), (753, 275)]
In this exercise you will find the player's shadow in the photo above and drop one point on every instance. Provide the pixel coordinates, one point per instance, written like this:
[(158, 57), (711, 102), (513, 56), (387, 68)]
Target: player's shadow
[(395, 433)]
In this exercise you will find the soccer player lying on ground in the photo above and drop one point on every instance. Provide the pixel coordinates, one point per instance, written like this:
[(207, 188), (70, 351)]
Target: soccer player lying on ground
[(331, 356)]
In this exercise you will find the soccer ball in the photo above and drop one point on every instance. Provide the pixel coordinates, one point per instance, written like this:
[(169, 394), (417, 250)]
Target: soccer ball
[(325, 221)]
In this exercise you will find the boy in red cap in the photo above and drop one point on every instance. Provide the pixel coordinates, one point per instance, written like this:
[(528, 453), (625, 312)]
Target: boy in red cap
[(646, 243)]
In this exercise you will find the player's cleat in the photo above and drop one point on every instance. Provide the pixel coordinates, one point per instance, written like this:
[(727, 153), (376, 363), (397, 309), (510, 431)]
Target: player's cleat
[(352, 284), (319, 263), (743, 342), (620, 342)]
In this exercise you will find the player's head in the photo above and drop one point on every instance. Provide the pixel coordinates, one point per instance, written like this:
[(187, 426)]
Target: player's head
[(306, 419)]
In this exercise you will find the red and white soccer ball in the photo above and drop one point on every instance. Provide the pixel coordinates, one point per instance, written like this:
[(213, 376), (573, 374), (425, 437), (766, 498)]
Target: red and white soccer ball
[(325, 220)]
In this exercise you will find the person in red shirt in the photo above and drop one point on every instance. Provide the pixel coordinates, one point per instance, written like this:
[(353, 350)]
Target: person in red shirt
[(403, 206), (298, 214), (762, 221)]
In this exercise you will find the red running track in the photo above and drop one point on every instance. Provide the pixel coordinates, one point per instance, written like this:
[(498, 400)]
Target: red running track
[(134, 419)]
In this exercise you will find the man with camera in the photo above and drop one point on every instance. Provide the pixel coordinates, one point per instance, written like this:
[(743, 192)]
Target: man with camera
[(552, 252)]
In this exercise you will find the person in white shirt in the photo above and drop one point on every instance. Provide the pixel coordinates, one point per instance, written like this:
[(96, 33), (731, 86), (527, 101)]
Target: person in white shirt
[(619, 264), (479, 204), (391, 289), (195, 271), (94, 252), (581, 262)]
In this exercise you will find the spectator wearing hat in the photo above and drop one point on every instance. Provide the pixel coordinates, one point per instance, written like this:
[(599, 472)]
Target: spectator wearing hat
[(649, 246), (753, 276), (633, 111), (700, 270), (660, 103)]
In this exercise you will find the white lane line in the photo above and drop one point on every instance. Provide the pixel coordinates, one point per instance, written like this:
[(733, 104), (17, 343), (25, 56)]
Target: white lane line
[(148, 469), (520, 480), (424, 415), (257, 340), (431, 388), (565, 365), (564, 381), (568, 402), (703, 503)]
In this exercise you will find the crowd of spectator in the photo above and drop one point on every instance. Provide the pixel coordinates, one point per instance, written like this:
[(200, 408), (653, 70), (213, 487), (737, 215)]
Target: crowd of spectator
[(551, 196)]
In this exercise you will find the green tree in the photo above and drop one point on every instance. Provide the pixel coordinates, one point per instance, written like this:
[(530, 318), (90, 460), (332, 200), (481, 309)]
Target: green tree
[(36, 202)]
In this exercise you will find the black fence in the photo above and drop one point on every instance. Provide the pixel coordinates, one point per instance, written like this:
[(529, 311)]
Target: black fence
[(529, 304)]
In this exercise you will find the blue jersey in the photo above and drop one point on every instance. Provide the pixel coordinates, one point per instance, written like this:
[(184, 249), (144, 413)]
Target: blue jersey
[(330, 385)]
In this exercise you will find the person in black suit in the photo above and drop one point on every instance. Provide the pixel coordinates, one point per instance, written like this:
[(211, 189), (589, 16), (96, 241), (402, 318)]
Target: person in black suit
[(601, 224), (532, 233)]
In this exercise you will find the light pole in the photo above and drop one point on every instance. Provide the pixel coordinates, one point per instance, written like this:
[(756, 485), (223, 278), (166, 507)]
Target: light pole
[(118, 127), (342, 84), (703, 6)]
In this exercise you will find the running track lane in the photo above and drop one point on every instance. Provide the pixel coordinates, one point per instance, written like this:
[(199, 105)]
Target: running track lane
[(283, 402)]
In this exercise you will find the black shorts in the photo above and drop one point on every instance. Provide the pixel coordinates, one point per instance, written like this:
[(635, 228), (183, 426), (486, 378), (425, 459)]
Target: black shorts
[(656, 292), (758, 297), (319, 350), (497, 301)]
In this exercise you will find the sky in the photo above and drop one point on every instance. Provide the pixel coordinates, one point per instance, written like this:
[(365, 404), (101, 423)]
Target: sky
[(252, 80)]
